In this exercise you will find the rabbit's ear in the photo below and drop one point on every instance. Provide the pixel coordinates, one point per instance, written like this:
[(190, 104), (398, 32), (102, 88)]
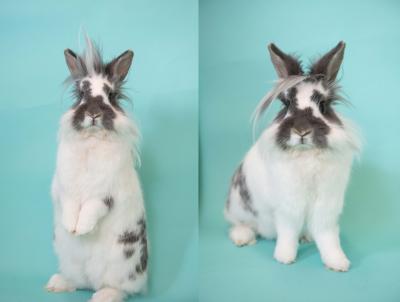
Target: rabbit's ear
[(329, 64), (74, 63), (285, 65), (118, 68)]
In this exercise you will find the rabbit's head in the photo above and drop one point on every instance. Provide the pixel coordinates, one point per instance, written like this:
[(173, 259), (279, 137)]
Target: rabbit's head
[(307, 119), (98, 90)]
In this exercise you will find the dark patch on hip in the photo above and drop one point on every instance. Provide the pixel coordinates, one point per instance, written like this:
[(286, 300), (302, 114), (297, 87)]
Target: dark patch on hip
[(132, 276), (139, 239), (142, 265), (239, 183), (129, 252), (128, 237)]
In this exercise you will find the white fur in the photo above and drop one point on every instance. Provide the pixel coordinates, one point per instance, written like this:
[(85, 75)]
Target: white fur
[(298, 192), (242, 235), (97, 82), (91, 164)]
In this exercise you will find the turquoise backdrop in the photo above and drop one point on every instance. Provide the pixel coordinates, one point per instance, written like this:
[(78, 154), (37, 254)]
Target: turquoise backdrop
[(235, 72), (163, 87)]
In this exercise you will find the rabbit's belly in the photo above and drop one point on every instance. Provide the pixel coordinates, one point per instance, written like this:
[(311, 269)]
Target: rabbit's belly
[(90, 260), (73, 254), (100, 257)]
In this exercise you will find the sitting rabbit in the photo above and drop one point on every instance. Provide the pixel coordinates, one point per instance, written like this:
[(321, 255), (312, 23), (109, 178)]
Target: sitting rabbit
[(292, 182), (99, 215)]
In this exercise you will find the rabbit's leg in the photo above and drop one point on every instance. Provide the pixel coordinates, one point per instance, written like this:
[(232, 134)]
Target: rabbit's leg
[(58, 283), (325, 231), (288, 228), (90, 214), (107, 294), (242, 234)]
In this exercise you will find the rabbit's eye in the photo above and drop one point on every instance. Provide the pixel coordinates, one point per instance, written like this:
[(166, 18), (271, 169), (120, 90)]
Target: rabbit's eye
[(285, 102), (322, 107)]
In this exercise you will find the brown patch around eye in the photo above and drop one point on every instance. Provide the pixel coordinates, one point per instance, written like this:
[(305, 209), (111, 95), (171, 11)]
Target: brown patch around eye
[(112, 97), (106, 89), (86, 86), (322, 106)]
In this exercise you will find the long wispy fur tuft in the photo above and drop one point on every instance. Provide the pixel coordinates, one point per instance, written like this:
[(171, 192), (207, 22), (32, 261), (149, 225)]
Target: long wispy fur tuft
[(281, 85)]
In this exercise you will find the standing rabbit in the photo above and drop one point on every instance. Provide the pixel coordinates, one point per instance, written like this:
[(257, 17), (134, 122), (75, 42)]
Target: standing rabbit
[(292, 182), (99, 215)]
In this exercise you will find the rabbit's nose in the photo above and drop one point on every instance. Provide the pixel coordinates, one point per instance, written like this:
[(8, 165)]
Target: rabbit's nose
[(302, 132), (93, 115)]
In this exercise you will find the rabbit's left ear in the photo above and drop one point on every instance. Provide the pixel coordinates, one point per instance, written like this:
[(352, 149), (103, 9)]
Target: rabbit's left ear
[(118, 68), (329, 64), (74, 63), (285, 65)]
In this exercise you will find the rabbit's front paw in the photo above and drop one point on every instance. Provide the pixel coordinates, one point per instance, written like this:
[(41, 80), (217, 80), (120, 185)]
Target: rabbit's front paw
[(70, 214), (58, 284), (69, 222), (84, 226), (337, 263)]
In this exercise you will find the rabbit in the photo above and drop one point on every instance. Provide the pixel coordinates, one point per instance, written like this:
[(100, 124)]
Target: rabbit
[(291, 184), (100, 233)]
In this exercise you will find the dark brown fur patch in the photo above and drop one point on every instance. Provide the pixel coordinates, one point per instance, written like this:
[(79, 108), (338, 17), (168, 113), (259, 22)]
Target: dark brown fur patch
[(128, 237), (128, 253), (142, 266), (132, 276), (109, 202), (239, 183)]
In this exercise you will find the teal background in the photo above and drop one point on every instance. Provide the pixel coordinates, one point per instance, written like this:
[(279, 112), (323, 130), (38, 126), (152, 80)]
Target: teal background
[(163, 87), (235, 72)]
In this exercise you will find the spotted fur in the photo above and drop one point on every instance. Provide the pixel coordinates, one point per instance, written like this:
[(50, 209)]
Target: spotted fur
[(297, 171), (100, 234), (109, 202), (239, 184)]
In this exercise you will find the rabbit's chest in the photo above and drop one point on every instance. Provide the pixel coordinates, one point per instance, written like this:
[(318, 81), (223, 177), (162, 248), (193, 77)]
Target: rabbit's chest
[(297, 180), (89, 163)]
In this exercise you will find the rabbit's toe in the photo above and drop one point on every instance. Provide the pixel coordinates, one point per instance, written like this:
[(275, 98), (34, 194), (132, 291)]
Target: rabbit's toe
[(285, 254), (338, 264), (57, 284), (107, 294), (242, 235), (84, 226)]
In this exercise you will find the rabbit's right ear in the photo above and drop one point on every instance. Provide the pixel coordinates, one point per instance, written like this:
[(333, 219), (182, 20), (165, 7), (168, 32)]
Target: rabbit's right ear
[(74, 63), (119, 67), (285, 65)]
